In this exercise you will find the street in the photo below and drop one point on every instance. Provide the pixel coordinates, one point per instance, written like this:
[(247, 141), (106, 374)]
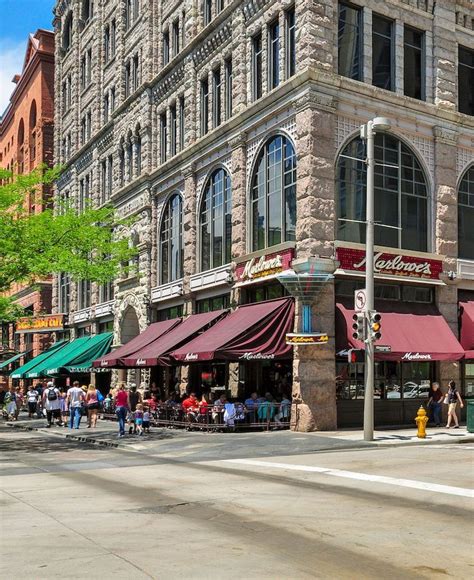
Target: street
[(75, 510)]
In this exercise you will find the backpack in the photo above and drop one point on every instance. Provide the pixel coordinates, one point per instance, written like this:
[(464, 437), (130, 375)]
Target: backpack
[(100, 396), (52, 394)]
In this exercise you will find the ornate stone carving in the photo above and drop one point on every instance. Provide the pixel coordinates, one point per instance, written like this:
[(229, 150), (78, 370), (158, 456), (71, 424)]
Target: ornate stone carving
[(445, 135)]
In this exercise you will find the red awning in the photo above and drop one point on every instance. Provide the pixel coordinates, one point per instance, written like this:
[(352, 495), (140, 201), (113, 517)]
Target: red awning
[(467, 328), (414, 332), (151, 334), (251, 332), (157, 353)]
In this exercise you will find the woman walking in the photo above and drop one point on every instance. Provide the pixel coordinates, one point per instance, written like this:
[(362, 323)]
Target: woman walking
[(452, 398), (122, 406), (92, 404)]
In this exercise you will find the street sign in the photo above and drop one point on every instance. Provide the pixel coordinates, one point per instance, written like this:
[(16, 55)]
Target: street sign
[(383, 348), (360, 300)]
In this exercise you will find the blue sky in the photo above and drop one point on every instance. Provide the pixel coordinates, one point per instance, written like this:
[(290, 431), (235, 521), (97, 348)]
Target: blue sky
[(17, 19)]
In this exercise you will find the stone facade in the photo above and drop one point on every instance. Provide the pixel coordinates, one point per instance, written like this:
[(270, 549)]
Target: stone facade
[(163, 53), (26, 142)]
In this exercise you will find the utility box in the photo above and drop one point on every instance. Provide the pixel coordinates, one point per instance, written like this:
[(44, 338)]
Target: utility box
[(470, 416)]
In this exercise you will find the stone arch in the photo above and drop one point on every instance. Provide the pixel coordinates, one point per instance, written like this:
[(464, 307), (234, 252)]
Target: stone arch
[(129, 325)]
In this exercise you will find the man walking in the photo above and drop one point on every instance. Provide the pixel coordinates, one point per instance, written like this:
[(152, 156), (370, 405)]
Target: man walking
[(74, 398), (52, 404)]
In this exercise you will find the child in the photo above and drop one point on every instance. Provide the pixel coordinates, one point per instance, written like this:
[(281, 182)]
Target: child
[(139, 419), (132, 428), (146, 419), (108, 403)]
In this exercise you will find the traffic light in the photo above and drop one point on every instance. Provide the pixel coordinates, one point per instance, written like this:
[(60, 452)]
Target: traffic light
[(358, 326), (356, 355), (375, 326)]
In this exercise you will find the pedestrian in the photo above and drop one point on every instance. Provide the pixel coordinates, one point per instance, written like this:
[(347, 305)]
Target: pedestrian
[(146, 419), (434, 404), (135, 397), (75, 398), (139, 419), (452, 398), (32, 397), (122, 406), (63, 405), (52, 404), (9, 403), (92, 404)]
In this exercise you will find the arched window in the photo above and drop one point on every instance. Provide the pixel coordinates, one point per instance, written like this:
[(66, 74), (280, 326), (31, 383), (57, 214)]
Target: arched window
[(215, 221), (171, 241), (67, 34), (401, 195), (273, 194), (87, 10), (466, 215), (20, 147), (33, 132)]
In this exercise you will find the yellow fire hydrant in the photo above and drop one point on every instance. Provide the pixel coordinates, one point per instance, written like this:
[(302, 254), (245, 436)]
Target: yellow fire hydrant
[(421, 419)]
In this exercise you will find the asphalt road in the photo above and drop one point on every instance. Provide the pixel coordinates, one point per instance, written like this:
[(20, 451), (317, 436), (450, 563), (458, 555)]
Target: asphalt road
[(73, 510)]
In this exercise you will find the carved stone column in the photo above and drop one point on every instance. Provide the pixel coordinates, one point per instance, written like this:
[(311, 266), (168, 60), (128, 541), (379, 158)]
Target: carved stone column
[(239, 195)]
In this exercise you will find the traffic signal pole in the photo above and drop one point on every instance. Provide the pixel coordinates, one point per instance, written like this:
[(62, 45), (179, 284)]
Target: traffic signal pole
[(367, 132)]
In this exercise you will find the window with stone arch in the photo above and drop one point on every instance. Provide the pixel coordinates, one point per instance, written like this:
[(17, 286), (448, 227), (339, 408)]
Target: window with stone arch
[(273, 194), (32, 130), (466, 215), (21, 147), (170, 257), (401, 194), (67, 34), (215, 221)]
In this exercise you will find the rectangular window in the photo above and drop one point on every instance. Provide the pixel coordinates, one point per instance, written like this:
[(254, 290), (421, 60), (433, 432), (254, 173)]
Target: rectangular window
[(112, 99), (83, 71), (350, 42), (64, 293), (181, 123), (84, 293), (106, 294), (110, 167), (274, 55), (382, 52), (173, 130), (127, 80), (136, 73), (89, 66), (207, 12), (163, 137), (219, 6), (113, 40), (257, 77), (69, 91), (64, 95), (103, 181), (216, 98), (106, 107), (204, 106), (414, 65), (466, 81), (228, 87), (107, 44), (166, 47), (175, 38), (290, 42)]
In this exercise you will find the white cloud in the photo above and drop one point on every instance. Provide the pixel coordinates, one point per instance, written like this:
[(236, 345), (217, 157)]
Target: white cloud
[(11, 62)]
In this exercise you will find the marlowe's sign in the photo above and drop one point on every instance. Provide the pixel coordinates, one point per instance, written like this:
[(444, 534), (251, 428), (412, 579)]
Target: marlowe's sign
[(389, 264), (265, 265)]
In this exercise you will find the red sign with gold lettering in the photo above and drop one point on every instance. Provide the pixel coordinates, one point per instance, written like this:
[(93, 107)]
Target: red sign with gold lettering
[(47, 323), (388, 264)]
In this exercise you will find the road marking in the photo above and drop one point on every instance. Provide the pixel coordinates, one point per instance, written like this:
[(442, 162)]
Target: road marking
[(425, 486)]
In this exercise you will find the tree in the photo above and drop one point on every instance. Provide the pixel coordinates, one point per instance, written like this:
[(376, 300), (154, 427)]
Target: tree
[(35, 246)]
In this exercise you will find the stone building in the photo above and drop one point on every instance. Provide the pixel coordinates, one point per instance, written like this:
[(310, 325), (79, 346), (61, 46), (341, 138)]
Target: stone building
[(26, 142), (229, 130)]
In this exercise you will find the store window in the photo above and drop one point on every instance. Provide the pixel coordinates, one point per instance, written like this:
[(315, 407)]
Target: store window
[(107, 326), (261, 292), (215, 221), (171, 241), (401, 195), (469, 379), (350, 41), (83, 331), (273, 194), (214, 303), (466, 215)]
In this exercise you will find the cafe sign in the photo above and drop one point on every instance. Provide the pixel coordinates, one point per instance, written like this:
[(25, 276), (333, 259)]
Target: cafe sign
[(47, 323), (258, 267), (304, 338), (388, 264)]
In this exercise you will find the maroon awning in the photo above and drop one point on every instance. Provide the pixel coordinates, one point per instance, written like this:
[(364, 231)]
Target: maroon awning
[(251, 332), (152, 333), (157, 353), (414, 332), (467, 328)]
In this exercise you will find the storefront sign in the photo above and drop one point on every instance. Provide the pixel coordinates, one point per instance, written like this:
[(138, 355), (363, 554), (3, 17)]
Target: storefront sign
[(266, 265), (190, 356), (388, 264), (49, 323), (141, 362), (256, 356), (415, 356), (306, 338)]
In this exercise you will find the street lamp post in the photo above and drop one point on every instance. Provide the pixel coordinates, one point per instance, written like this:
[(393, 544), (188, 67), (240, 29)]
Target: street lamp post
[(367, 132)]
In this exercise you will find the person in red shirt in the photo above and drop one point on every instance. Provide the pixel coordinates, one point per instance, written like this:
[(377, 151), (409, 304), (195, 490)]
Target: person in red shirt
[(191, 407)]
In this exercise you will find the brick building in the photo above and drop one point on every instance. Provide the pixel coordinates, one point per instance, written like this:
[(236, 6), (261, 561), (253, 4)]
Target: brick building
[(26, 141), (230, 131)]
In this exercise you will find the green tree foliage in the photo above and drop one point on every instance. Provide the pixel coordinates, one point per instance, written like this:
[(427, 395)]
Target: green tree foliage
[(34, 246)]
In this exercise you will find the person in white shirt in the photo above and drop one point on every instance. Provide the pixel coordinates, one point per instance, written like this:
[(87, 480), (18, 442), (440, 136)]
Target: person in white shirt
[(32, 397), (75, 397), (52, 403)]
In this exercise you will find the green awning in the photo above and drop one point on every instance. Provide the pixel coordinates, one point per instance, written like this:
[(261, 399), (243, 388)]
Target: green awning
[(20, 372), (76, 357), (97, 347), (5, 363)]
